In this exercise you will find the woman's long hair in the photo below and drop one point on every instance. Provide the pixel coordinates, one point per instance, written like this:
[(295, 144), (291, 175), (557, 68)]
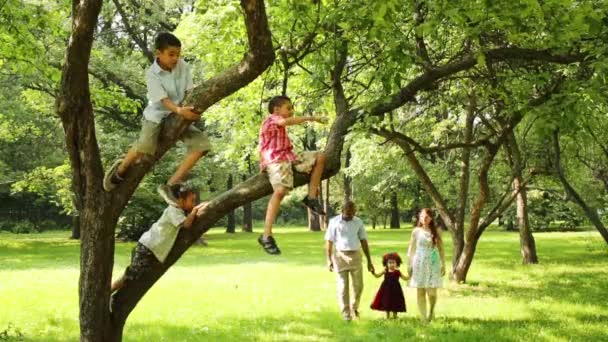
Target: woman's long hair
[(434, 233)]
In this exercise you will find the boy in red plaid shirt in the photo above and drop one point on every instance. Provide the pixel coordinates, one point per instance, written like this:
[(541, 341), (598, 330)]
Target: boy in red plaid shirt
[(277, 159)]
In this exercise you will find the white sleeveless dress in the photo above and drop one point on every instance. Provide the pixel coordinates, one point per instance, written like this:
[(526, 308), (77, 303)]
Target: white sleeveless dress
[(426, 266)]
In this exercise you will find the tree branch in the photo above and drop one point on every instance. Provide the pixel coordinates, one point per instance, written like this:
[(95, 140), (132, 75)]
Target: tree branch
[(417, 147), (427, 80), (131, 31), (421, 50), (591, 213)]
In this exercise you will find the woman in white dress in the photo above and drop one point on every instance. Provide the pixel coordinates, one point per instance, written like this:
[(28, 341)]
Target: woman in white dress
[(426, 263)]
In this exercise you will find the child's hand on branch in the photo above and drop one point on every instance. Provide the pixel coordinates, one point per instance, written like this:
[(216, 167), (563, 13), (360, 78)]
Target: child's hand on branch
[(200, 208), (188, 113)]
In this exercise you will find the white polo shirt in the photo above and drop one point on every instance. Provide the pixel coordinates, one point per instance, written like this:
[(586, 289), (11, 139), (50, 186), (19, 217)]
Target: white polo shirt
[(346, 235), (161, 236), (166, 84)]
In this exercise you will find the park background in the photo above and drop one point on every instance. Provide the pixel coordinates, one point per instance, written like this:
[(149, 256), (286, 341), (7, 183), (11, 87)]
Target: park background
[(510, 149)]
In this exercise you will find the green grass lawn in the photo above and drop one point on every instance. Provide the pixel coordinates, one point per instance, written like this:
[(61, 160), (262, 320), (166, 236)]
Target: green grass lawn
[(233, 291)]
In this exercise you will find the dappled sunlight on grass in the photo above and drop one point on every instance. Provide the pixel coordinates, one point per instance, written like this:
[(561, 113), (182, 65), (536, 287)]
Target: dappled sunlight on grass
[(232, 291)]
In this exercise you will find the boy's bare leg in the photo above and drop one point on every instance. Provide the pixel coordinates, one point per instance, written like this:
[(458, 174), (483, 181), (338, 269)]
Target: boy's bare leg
[(273, 209), (131, 157), (315, 176), (185, 167)]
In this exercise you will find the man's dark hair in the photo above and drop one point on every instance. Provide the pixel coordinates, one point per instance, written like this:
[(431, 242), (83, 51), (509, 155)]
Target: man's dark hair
[(277, 101), (348, 205), (164, 40)]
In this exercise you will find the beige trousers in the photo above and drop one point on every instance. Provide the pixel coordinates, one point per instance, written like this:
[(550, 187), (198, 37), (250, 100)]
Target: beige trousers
[(348, 263)]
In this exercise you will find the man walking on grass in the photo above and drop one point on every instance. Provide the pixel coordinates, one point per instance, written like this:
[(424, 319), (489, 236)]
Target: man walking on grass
[(347, 234)]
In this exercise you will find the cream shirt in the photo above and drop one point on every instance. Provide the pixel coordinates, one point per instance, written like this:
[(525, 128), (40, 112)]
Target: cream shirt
[(161, 236)]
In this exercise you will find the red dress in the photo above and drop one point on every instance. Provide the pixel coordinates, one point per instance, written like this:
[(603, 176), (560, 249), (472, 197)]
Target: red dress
[(390, 295)]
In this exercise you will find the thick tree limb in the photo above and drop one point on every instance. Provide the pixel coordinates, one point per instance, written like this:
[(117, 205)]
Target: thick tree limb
[(73, 104), (421, 49), (427, 80), (417, 147), (591, 213)]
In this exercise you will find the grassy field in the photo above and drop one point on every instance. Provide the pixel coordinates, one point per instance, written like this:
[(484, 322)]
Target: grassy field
[(233, 291)]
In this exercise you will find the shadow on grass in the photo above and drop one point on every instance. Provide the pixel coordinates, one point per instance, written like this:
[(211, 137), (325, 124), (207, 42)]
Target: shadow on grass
[(325, 326)]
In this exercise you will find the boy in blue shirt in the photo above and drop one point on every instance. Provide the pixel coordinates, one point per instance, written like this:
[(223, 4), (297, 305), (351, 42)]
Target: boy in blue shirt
[(168, 80)]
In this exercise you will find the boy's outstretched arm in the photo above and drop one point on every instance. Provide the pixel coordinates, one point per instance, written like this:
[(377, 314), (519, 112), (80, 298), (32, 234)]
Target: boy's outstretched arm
[(296, 120)]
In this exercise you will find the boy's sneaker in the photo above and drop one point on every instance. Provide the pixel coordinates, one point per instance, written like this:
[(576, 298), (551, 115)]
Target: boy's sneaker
[(269, 245), (314, 205), (111, 178), (164, 190)]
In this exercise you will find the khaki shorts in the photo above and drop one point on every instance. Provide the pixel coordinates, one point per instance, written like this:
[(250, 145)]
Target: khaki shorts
[(193, 138), (281, 174)]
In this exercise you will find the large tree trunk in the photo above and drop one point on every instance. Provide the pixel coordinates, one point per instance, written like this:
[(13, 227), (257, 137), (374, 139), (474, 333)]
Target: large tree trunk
[(464, 261), (465, 176), (73, 105), (526, 239), (572, 194), (231, 224), (100, 210), (75, 225), (475, 231), (394, 211)]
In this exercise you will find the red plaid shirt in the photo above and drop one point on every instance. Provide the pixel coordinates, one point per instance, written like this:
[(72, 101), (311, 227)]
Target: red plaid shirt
[(274, 142)]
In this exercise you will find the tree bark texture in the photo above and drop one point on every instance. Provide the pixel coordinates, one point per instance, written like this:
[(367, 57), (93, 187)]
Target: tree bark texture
[(526, 239)]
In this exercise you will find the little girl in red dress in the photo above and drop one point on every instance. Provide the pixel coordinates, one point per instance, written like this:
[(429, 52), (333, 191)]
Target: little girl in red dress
[(390, 295)]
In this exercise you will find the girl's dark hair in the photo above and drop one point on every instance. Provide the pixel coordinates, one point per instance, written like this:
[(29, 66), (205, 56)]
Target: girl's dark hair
[(391, 256), (182, 190), (434, 234), (164, 40), (277, 101)]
